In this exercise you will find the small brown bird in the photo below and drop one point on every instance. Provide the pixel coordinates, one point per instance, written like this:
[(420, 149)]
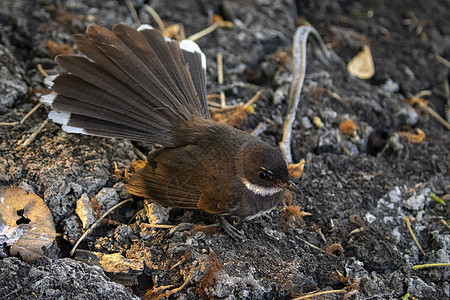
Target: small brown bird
[(138, 85)]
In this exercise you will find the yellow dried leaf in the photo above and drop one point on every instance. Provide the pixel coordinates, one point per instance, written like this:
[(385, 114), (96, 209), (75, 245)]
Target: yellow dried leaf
[(55, 49), (219, 21), (348, 127), (172, 31), (295, 170), (137, 165), (362, 65), (414, 138), (28, 212)]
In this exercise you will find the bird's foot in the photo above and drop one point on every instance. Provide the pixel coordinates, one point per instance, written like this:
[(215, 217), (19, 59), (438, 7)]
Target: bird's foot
[(230, 230)]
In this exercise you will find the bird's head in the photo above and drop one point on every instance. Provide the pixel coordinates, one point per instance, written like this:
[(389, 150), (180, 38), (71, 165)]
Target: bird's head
[(262, 169)]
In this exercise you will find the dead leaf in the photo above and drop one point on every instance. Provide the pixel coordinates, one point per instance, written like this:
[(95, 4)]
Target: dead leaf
[(24, 210), (55, 49), (174, 31), (295, 170), (137, 165), (362, 65), (412, 137), (348, 127), (235, 116), (219, 21)]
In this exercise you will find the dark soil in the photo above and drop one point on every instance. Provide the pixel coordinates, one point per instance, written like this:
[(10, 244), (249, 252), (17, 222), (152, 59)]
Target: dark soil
[(357, 188)]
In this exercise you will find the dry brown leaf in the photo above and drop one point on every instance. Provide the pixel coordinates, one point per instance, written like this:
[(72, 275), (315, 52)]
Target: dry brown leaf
[(348, 127), (413, 137), (295, 170), (362, 65), (235, 116), (137, 165), (26, 210), (293, 213), (174, 31), (218, 20), (55, 49)]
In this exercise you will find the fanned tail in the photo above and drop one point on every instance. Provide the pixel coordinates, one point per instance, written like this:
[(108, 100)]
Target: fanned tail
[(134, 84)]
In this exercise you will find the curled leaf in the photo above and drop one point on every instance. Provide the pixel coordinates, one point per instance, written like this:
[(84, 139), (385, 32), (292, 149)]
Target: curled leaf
[(414, 137), (362, 65), (21, 210), (295, 170)]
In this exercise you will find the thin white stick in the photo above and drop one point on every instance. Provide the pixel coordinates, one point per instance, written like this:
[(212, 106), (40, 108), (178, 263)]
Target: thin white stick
[(298, 77)]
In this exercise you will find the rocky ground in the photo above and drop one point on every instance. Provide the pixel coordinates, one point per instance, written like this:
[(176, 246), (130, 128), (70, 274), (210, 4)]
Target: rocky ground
[(358, 187)]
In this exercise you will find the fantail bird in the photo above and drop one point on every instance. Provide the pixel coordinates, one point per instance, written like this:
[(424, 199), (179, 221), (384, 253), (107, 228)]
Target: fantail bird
[(138, 85)]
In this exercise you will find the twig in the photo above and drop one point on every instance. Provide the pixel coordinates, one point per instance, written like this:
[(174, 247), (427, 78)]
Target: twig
[(436, 116), (36, 131), (31, 112), (139, 153), (133, 12), (219, 58), (443, 61), (9, 124), (41, 70), (317, 248), (204, 32), (156, 17), (417, 267), (298, 77), (85, 234), (417, 99), (188, 279), (320, 293), (158, 226), (24, 118), (252, 100), (259, 129), (408, 224)]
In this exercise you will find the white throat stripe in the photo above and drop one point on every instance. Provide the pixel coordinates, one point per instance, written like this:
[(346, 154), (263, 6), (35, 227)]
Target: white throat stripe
[(261, 190)]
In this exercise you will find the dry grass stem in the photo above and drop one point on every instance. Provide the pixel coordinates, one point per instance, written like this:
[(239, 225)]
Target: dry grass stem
[(98, 221), (202, 33), (318, 294), (155, 17), (133, 12), (36, 131), (408, 224), (298, 75)]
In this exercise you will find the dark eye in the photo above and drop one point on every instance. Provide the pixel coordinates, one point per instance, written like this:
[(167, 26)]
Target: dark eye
[(265, 174)]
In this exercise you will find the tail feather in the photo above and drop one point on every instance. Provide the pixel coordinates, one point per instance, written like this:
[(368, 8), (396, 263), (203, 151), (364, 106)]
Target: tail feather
[(132, 66), (134, 85), (109, 99), (197, 67)]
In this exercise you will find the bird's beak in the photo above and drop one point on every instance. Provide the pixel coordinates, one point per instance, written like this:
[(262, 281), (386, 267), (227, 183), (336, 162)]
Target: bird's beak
[(293, 187)]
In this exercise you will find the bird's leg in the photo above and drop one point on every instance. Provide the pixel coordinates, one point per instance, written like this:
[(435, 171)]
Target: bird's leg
[(230, 230)]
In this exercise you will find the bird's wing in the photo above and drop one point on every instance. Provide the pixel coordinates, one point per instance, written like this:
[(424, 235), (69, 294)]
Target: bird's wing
[(167, 179)]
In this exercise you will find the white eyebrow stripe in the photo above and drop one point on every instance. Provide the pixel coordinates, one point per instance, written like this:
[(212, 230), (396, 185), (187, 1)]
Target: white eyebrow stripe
[(261, 190)]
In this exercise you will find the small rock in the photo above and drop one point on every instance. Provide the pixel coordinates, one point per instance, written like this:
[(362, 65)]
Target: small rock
[(306, 123), (157, 214), (85, 211), (107, 198)]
